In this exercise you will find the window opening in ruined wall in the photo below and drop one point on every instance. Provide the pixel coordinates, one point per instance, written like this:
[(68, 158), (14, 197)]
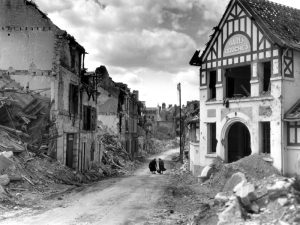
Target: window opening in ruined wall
[(73, 99), (265, 137), (212, 84), (89, 118), (238, 82), (267, 76), (212, 138), (264, 71), (293, 133)]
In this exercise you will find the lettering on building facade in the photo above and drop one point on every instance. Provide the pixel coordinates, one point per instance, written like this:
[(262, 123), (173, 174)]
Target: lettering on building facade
[(237, 44)]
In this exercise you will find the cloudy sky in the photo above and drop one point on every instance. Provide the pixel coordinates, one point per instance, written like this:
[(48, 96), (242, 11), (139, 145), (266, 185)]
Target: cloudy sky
[(144, 43)]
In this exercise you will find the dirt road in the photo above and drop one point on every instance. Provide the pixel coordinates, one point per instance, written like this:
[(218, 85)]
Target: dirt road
[(130, 200)]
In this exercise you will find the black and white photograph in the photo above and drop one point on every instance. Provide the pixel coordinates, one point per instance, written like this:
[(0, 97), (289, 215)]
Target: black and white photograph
[(149, 112)]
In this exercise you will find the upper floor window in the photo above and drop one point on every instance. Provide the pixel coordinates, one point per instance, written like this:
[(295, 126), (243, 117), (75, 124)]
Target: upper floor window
[(293, 133), (264, 70), (89, 118), (73, 99), (238, 82), (267, 76), (212, 84)]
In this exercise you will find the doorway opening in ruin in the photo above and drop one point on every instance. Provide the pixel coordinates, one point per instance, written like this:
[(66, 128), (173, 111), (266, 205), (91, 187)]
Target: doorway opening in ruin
[(238, 82), (239, 142), (70, 150)]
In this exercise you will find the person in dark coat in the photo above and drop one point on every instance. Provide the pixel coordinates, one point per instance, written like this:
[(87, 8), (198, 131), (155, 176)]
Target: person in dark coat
[(161, 166), (153, 166)]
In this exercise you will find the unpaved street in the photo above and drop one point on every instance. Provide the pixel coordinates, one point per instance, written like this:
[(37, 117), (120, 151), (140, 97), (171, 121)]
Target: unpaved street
[(131, 200)]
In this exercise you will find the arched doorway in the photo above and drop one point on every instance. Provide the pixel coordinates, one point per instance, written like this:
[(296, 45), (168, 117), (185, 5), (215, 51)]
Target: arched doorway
[(238, 142)]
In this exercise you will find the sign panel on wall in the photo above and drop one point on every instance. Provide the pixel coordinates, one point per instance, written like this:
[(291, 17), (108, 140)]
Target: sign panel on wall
[(237, 44)]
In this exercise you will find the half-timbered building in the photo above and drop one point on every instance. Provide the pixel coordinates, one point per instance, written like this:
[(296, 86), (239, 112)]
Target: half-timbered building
[(250, 86)]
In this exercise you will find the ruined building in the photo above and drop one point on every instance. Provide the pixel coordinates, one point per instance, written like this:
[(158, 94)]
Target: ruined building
[(38, 55), (118, 110), (249, 86), (129, 111), (166, 122)]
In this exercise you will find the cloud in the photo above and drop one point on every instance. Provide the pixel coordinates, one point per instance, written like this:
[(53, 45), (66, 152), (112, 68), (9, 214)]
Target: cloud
[(189, 77), (149, 33), (158, 49), (145, 43), (55, 5), (131, 79)]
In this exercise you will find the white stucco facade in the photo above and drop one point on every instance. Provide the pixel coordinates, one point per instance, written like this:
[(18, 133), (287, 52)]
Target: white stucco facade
[(247, 86)]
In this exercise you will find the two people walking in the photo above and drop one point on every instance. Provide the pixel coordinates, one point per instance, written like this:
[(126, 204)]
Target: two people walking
[(153, 166)]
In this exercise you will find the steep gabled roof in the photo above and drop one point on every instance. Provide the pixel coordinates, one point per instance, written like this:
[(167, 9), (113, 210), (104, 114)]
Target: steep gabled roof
[(281, 21), (281, 24)]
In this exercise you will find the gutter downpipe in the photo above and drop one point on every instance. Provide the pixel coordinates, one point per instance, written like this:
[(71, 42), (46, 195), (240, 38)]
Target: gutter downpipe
[(282, 112)]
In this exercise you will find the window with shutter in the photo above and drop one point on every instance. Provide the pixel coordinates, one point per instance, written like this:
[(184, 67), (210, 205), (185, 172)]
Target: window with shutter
[(293, 134)]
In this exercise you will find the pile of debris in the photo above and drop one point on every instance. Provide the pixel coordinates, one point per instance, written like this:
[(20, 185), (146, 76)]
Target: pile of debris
[(251, 191), (273, 200), (115, 160), (26, 176), (155, 146), (254, 166)]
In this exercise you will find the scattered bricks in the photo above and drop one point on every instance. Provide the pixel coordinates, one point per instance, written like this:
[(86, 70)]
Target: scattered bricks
[(254, 208), (245, 190), (280, 222), (279, 185), (282, 201), (2, 191), (4, 180), (246, 194), (232, 214), (5, 163), (252, 223), (8, 154), (223, 197), (262, 197), (233, 181), (280, 188)]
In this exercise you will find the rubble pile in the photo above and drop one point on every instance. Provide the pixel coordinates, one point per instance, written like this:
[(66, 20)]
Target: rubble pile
[(115, 160), (272, 200), (27, 172), (251, 191), (154, 146), (254, 166)]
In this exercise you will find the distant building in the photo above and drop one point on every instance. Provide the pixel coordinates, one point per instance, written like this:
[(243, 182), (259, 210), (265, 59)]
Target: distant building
[(118, 110), (166, 120), (130, 113), (151, 114), (108, 102)]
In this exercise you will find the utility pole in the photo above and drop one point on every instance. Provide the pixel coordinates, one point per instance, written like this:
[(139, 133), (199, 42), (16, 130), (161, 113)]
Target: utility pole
[(180, 126)]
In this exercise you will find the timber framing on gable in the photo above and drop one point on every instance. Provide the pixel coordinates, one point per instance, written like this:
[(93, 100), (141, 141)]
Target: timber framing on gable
[(239, 39)]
